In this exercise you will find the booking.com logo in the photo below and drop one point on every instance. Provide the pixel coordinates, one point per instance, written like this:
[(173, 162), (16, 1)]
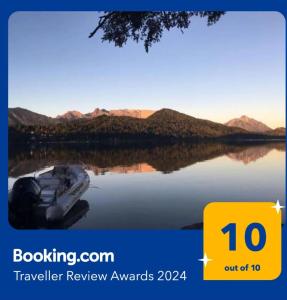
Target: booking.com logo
[(54, 256)]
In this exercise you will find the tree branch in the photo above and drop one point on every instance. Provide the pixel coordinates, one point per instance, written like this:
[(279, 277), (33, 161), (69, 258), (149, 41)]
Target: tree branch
[(101, 22)]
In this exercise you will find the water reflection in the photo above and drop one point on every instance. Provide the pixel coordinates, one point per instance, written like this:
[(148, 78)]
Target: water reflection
[(252, 154), (78, 212), (165, 158), (159, 187)]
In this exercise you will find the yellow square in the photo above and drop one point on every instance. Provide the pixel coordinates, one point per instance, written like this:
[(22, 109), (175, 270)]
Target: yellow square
[(249, 248)]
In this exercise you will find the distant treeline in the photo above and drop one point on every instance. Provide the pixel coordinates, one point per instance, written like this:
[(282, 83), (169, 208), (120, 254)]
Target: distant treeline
[(162, 125)]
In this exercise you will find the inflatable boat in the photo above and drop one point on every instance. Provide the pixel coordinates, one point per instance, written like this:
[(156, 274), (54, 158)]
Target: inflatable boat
[(51, 195)]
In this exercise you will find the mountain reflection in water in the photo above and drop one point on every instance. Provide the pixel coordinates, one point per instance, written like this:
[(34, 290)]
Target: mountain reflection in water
[(172, 190), (166, 159)]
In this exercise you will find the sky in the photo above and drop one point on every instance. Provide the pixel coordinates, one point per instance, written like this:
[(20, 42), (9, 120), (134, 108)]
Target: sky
[(235, 67)]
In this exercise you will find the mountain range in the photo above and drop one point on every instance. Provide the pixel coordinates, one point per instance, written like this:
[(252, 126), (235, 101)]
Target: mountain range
[(164, 123), (248, 124), (22, 116), (134, 113)]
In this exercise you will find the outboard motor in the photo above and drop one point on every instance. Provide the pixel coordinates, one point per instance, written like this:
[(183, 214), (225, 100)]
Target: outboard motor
[(25, 194)]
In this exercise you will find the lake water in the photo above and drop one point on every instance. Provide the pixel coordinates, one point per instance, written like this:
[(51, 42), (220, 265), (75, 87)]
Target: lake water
[(159, 187)]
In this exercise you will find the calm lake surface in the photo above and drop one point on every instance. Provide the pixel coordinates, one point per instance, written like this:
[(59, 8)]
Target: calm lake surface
[(159, 187)]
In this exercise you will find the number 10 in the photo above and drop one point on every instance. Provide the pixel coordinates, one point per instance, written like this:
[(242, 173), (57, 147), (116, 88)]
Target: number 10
[(231, 229)]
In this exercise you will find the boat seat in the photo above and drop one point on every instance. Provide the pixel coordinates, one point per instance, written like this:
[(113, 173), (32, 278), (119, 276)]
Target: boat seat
[(47, 195), (49, 181)]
